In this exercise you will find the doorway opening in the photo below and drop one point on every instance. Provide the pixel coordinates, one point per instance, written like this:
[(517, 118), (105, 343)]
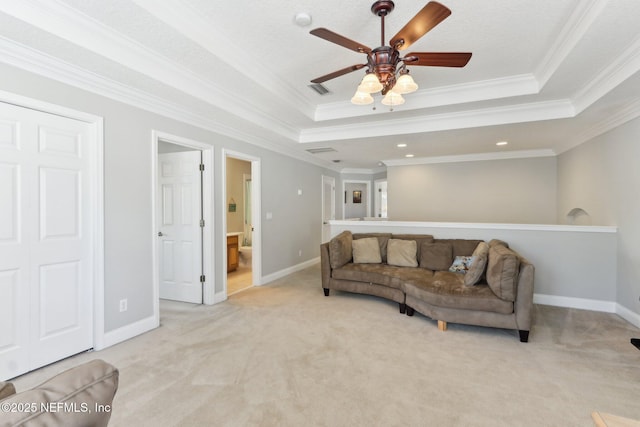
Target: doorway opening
[(182, 220), (380, 198), (328, 205), (241, 222), (357, 200)]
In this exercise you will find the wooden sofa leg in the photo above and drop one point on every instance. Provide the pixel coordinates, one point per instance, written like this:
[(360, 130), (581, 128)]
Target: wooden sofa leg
[(410, 311), (442, 325), (326, 291), (524, 336), (403, 307)]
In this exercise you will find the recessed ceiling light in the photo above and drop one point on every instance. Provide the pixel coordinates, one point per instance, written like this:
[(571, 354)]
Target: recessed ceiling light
[(502, 143), (401, 145), (408, 155), (302, 19)]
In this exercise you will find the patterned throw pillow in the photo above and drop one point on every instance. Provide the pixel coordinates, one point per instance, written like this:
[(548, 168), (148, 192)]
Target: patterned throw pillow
[(461, 264)]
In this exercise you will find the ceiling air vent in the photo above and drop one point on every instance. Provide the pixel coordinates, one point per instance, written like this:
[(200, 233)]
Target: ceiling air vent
[(320, 150), (321, 90)]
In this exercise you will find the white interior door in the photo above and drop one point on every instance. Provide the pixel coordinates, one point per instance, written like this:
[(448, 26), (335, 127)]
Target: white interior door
[(328, 205), (380, 192), (180, 233), (46, 298)]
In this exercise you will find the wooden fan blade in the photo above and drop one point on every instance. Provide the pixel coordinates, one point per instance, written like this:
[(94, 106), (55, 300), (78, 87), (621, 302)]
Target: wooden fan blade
[(338, 73), (438, 59), (430, 16), (336, 38)]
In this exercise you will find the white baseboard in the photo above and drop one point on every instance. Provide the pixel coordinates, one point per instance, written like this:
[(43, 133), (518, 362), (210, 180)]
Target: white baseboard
[(219, 297), (628, 315), (571, 302), (122, 334), (282, 273), (589, 304)]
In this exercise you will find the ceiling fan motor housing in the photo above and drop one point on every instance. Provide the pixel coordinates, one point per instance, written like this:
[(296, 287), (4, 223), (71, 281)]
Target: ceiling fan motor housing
[(382, 61)]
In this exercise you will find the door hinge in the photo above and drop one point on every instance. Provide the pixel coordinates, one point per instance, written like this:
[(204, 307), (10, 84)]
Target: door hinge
[(202, 279), (201, 167), (202, 223)]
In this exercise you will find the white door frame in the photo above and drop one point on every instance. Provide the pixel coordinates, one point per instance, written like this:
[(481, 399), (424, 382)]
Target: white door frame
[(95, 152), (368, 190), (332, 181), (376, 197), (256, 218), (207, 209)]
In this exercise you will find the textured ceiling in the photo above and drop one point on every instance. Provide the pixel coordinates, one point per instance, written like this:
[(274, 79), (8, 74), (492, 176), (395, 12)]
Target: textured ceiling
[(545, 75)]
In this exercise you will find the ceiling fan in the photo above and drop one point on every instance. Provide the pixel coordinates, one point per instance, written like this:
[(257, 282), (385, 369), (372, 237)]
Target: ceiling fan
[(386, 69)]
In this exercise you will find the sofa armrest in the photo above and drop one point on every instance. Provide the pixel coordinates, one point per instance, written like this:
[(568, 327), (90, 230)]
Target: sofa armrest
[(523, 305), (79, 397), (325, 265)]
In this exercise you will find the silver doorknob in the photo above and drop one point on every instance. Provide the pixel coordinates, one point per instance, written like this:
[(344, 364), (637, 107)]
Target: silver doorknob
[(160, 234)]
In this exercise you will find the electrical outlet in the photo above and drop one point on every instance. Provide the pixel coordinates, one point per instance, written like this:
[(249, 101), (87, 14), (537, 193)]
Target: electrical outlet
[(123, 305)]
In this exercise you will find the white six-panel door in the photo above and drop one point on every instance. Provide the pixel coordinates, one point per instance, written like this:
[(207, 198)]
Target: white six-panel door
[(46, 301), (180, 234)]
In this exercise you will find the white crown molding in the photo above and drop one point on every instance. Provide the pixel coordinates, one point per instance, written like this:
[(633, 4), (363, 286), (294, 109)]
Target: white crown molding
[(505, 87), (624, 114), (358, 171), (534, 111), (577, 25), (627, 64), (502, 155), (36, 62), (84, 31), (181, 16)]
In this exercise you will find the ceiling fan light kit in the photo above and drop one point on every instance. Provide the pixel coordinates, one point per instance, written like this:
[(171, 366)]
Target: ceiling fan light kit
[(386, 70)]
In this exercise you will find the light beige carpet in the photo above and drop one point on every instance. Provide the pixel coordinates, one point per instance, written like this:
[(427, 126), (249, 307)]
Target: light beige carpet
[(285, 355)]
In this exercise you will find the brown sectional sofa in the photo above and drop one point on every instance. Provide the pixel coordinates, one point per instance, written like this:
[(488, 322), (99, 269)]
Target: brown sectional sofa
[(496, 291)]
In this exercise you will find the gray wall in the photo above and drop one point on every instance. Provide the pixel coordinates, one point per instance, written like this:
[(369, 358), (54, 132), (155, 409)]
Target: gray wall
[(355, 210), (296, 223), (602, 177), (498, 191)]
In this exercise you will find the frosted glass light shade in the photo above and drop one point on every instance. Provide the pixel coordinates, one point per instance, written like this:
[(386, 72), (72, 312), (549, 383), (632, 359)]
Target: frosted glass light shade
[(370, 84), (392, 98), (405, 84), (362, 98)]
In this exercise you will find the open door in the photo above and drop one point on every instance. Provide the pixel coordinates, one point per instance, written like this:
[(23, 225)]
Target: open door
[(180, 232)]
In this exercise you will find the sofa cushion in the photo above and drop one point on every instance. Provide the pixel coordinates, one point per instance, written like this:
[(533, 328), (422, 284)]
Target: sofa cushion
[(402, 253), (461, 264), (502, 272), (447, 289), (380, 274), (366, 251), (383, 238), (436, 255), (477, 267), (461, 247), (82, 389), (340, 250), (494, 242)]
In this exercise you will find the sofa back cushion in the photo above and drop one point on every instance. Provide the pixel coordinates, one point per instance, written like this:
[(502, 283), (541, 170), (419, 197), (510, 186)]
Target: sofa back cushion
[(402, 253), (6, 389), (383, 238), (461, 247), (436, 256), (502, 272), (366, 251), (477, 267), (340, 249)]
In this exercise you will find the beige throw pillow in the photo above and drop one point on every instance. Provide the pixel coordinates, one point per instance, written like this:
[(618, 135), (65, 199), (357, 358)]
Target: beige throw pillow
[(402, 253), (477, 267), (366, 251)]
